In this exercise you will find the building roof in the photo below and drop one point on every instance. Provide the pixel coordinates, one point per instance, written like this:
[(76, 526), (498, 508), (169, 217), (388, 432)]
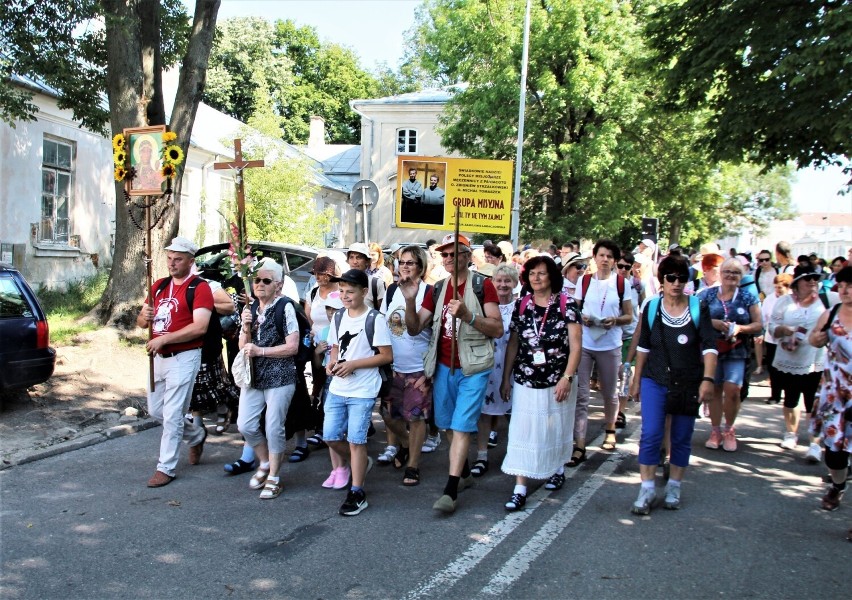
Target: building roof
[(440, 95), (336, 159), (822, 219)]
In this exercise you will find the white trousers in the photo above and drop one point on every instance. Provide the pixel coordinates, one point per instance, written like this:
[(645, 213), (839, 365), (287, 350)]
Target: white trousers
[(174, 379)]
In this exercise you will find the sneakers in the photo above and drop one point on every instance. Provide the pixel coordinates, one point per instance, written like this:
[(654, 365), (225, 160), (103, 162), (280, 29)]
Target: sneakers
[(492, 439), (445, 504), (159, 479), (729, 441), (643, 504), (516, 502), (355, 503), (431, 444), (386, 457), (556, 481), (714, 441), (672, 501), (342, 479), (196, 450), (814, 453), (831, 500), (791, 440)]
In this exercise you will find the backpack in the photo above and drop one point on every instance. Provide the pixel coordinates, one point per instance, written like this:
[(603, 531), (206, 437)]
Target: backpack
[(477, 280), (757, 279), (385, 371), (823, 297), (587, 281), (694, 310), (212, 338), (304, 354), (526, 300)]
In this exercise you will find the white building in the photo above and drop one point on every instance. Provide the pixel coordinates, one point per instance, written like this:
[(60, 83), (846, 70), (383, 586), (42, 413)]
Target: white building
[(390, 127), (57, 193)]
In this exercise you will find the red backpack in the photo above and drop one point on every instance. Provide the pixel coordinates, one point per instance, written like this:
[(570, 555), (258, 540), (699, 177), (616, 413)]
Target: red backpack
[(587, 280)]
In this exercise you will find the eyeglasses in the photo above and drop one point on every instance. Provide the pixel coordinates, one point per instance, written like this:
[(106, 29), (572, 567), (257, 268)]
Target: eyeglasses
[(760, 260), (408, 263), (452, 254), (263, 280), (620, 266), (672, 277), (732, 273)]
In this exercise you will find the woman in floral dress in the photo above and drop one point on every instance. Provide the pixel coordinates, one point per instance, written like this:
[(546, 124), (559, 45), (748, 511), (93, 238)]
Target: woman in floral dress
[(505, 279), (832, 416), (542, 357)]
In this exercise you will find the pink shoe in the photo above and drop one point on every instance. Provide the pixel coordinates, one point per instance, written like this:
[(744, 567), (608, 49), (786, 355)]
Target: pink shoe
[(342, 478), (729, 441), (329, 483), (714, 441)]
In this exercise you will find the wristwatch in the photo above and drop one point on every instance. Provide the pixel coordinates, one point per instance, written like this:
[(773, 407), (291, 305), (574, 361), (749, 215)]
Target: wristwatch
[(710, 379), (570, 378)]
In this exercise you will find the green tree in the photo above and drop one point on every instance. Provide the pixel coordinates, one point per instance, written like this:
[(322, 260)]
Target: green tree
[(305, 77), (125, 58), (279, 197), (775, 75)]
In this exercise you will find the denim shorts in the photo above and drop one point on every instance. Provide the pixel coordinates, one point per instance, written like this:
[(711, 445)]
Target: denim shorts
[(458, 399), (347, 416), (731, 371)]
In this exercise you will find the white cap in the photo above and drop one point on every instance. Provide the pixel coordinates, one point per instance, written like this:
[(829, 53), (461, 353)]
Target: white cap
[(649, 243), (181, 244), (333, 301), (360, 248)]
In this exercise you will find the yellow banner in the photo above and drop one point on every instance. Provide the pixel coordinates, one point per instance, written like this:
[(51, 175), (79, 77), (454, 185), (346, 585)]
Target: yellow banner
[(429, 189)]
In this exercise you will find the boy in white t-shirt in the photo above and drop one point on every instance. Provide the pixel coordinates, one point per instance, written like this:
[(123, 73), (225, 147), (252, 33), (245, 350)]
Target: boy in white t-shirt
[(354, 364)]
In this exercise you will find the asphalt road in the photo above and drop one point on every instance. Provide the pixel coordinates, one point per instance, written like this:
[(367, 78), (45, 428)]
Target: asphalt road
[(84, 525)]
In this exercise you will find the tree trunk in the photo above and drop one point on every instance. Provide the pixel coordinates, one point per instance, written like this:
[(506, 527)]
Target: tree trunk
[(134, 87)]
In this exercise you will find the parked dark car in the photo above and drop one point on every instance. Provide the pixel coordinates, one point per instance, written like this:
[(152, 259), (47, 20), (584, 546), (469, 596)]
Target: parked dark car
[(297, 261), (26, 357)]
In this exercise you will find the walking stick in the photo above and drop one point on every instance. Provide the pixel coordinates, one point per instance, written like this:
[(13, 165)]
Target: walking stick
[(453, 348)]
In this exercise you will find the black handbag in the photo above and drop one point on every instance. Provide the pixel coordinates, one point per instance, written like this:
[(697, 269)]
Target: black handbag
[(682, 391)]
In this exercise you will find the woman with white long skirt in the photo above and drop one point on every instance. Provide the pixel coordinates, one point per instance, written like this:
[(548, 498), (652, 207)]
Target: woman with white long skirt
[(542, 357)]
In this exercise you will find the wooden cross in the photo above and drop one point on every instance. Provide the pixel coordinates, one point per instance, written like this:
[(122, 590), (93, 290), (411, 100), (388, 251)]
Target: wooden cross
[(237, 165)]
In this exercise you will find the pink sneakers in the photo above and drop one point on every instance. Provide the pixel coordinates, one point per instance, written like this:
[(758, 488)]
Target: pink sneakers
[(338, 478), (729, 441), (714, 441)]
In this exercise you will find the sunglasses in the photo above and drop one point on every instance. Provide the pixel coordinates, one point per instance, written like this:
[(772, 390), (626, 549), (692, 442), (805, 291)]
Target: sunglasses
[(810, 278), (620, 266), (408, 263), (451, 254), (762, 259), (672, 277), (732, 273), (263, 280)]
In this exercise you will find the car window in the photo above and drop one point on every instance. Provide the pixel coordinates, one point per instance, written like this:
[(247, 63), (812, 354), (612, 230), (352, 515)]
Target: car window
[(297, 261), (12, 301)]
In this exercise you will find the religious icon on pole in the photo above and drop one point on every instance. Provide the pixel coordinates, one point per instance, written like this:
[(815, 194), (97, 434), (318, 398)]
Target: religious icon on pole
[(145, 146)]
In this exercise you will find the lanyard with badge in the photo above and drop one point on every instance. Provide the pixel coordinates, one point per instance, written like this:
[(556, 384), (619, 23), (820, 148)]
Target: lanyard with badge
[(538, 354)]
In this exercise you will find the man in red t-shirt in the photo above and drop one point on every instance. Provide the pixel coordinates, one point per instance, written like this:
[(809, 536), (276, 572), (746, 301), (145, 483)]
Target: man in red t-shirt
[(458, 394), (176, 344)]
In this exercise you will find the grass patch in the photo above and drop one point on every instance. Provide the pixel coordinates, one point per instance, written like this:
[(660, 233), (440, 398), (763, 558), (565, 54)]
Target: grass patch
[(65, 308)]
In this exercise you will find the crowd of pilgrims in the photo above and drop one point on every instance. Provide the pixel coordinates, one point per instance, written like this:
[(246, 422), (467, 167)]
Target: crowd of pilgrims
[(672, 336)]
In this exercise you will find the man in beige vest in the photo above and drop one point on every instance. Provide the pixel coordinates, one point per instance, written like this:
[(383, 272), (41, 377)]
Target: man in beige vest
[(459, 380)]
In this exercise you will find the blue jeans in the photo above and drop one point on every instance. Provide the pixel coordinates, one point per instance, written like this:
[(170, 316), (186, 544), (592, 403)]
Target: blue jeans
[(653, 398), (347, 415), (458, 399)]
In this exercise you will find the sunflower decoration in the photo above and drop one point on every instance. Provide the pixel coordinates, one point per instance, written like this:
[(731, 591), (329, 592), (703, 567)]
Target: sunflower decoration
[(119, 142), (168, 170), (120, 173), (169, 136), (119, 157), (173, 154)]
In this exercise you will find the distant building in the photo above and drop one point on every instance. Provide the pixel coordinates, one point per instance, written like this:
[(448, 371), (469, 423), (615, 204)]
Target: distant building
[(390, 127)]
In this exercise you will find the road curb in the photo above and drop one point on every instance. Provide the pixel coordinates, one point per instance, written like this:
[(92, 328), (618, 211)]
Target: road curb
[(84, 441)]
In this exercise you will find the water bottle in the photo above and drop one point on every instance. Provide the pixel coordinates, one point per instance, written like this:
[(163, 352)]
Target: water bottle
[(306, 341), (626, 374)]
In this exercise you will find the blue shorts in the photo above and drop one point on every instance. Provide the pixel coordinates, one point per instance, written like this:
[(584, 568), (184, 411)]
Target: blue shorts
[(731, 371), (458, 399), (350, 416)]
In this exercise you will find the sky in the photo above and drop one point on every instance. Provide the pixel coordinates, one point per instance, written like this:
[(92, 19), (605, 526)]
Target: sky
[(374, 29)]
